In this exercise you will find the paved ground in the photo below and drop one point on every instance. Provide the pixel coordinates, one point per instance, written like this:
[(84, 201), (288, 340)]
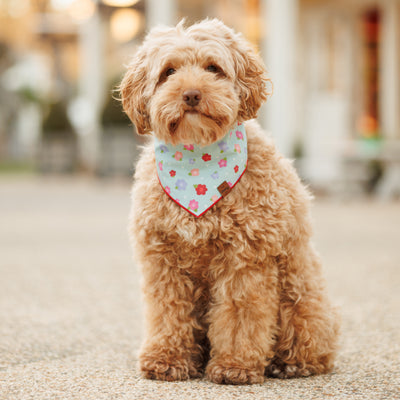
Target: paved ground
[(70, 311)]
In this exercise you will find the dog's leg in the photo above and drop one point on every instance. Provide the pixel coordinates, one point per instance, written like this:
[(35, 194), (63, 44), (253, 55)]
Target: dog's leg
[(243, 318), (170, 352), (308, 324)]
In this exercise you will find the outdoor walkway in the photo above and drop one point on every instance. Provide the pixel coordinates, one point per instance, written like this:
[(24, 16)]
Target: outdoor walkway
[(70, 308)]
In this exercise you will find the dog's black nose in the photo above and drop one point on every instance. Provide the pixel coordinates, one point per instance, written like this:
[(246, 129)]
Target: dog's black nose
[(192, 97)]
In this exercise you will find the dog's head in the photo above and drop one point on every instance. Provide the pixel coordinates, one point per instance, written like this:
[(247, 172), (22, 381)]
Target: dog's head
[(190, 85)]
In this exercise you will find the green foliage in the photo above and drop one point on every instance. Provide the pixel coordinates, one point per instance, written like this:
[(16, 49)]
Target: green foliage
[(28, 95), (15, 167)]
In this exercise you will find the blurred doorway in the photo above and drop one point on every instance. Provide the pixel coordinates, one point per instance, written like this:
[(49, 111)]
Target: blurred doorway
[(368, 119)]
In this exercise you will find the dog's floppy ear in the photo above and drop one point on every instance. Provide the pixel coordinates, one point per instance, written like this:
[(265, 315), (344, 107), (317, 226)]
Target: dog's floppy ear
[(251, 79), (132, 89)]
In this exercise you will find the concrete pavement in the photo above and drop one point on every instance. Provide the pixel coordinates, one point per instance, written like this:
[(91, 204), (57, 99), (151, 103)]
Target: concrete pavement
[(70, 309)]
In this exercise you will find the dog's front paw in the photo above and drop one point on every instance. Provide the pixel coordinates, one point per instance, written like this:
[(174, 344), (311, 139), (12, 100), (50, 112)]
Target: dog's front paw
[(233, 374), (278, 369), (167, 370)]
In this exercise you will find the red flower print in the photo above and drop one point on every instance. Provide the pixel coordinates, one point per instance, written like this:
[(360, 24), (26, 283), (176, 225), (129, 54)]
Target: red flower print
[(206, 157), (201, 189), (172, 173), (236, 168)]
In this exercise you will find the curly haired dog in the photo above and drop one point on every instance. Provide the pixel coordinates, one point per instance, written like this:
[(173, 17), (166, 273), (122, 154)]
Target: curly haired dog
[(236, 292)]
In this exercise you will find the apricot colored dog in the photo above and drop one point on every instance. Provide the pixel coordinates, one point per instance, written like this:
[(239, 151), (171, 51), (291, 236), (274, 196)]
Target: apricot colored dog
[(237, 292)]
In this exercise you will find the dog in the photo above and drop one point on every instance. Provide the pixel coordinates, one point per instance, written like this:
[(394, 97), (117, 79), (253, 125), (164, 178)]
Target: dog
[(231, 281)]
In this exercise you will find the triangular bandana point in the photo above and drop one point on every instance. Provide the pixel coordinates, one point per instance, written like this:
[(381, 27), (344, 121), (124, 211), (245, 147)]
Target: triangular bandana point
[(200, 176)]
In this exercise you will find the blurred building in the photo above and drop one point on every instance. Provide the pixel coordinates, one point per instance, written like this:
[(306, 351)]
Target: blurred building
[(346, 89), (335, 66)]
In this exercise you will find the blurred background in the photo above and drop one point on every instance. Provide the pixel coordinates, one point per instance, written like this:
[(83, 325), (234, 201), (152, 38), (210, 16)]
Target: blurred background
[(70, 311), (335, 66)]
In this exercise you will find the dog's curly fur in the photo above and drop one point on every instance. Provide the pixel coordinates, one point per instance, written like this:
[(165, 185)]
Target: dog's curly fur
[(237, 292)]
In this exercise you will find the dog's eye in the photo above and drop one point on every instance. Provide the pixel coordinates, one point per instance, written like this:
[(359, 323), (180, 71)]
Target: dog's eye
[(212, 68), (164, 76), (170, 71)]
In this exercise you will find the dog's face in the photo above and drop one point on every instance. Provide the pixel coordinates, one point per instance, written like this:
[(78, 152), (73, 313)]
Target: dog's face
[(190, 85)]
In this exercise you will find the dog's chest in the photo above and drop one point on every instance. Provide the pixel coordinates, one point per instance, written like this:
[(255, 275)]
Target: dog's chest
[(187, 232)]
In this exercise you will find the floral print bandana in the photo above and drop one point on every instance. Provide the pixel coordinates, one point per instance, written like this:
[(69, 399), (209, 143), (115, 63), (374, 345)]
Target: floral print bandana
[(198, 177)]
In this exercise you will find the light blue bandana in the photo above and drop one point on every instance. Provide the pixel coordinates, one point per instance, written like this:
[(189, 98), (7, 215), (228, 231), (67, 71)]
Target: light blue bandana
[(198, 177)]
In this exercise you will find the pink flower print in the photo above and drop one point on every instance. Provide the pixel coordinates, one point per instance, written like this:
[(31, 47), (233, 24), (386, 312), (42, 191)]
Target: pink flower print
[(193, 205), (167, 189), (237, 148), (178, 156), (214, 198), (230, 184), (239, 135), (160, 165), (222, 163), (194, 172), (188, 147), (236, 168), (201, 189)]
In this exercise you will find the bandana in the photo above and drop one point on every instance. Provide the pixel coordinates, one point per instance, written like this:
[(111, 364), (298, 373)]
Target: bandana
[(198, 177)]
